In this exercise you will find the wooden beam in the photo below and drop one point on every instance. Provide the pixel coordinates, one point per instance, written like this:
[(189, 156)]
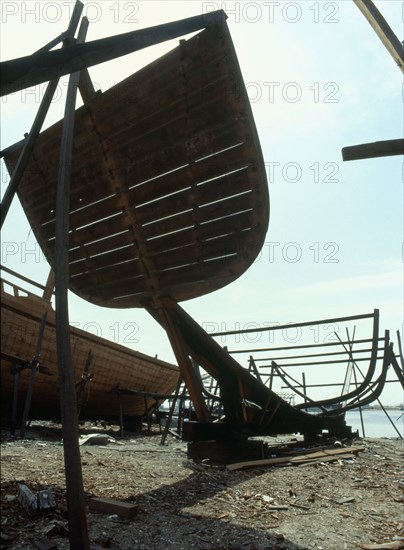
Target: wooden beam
[(23, 72), (38, 121), (78, 531), (87, 91), (387, 148), (27, 150), (49, 286), (34, 367), (113, 506), (383, 30), (165, 317)]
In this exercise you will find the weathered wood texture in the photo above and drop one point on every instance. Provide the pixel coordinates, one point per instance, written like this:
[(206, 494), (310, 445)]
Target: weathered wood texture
[(168, 187), (113, 364), (113, 506), (17, 74), (383, 30), (376, 149)]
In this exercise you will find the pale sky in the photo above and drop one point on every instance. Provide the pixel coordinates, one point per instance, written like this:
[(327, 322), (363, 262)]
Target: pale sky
[(318, 79)]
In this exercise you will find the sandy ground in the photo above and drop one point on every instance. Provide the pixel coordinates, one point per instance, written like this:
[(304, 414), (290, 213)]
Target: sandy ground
[(184, 505)]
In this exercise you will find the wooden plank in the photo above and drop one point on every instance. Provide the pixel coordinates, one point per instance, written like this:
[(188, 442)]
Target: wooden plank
[(229, 225), (376, 149), (220, 247), (28, 71), (324, 455), (89, 183), (226, 186), (86, 196), (308, 462), (181, 281), (102, 261), (206, 216), (171, 82), (113, 506), (194, 173), (86, 250), (188, 276), (93, 279)]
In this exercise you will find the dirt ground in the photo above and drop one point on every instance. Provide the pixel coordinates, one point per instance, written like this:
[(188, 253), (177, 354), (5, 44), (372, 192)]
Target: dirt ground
[(185, 505)]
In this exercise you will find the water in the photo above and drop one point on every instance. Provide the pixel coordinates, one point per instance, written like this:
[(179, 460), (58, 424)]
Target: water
[(376, 422)]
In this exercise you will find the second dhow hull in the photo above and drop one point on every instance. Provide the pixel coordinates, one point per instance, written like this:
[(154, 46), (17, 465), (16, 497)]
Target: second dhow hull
[(113, 366)]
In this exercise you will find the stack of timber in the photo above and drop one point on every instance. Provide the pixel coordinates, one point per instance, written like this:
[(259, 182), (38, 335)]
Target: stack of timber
[(113, 365)]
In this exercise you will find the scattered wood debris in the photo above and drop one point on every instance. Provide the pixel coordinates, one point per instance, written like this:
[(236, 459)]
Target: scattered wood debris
[(181, 504), (299, 459)]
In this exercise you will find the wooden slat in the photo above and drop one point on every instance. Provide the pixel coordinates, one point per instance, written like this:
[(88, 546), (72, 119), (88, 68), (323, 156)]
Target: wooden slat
[(226, 186), (226, 225), (154, 165), (111, 257), (205, 214), (107, 274), (93, 248)]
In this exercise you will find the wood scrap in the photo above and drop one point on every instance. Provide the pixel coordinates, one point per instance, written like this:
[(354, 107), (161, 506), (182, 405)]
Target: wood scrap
[(112, 506), (395, 545), (316, 456), (305, 462)]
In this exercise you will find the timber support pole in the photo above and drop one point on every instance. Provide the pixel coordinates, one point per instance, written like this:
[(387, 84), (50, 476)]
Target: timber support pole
[(383, 31), (78, 531), (188, 373), (40, 117)]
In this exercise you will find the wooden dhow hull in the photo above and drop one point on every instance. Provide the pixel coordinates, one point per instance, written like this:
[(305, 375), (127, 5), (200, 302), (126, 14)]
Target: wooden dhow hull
[(114, 366)]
